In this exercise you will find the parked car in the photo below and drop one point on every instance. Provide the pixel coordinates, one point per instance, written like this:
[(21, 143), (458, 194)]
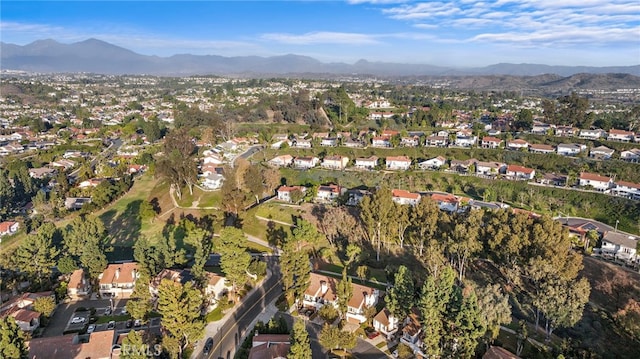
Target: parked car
[(129, 323), (111, 325), (207, 346), (77, 320), (371, 333), (107, 311), (137, 323), (91, 328)]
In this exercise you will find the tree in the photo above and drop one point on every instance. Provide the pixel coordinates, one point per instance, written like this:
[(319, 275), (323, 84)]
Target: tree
[(306, 233), (495, 308), (295, 269), (402, 294), (37, 254), (234, 259), (271, 178), (147, 211), (562, 303), (376, 213), (253, 181), (300, 344), (139, 306), (45, 306), (67, 265), (524, 120), (7, 193), (352, 253), (344, 291), (468, 326), (180, 306), (132, 346), (464, 241), (232, 196), (424, 217), (362, 272), (12, 339), (402, 221), (333, 338), (177, 164)]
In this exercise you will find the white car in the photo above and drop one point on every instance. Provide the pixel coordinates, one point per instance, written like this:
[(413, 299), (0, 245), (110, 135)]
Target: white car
[(91, 328), (77, 320)]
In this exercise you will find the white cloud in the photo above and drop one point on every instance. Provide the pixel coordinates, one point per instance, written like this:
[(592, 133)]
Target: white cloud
[(322, 37)]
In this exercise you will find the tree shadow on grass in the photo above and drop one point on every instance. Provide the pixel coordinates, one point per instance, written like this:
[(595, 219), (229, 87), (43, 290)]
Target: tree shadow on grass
[(125, 227)]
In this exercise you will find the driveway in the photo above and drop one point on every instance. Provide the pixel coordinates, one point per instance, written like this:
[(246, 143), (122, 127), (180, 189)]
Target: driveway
[(63, 313)]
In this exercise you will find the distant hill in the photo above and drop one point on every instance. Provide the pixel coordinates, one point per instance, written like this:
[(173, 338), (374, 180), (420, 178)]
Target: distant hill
[(96, 56)]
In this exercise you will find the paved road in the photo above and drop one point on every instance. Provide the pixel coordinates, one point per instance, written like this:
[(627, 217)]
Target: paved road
[(63, 313), (577, 221), (229, 337)]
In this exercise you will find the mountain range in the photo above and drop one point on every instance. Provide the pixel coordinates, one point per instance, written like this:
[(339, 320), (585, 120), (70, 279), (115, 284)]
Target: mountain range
[(96, 56)]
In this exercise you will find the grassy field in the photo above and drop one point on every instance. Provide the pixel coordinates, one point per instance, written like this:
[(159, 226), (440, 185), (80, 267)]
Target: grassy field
[(199, 198), (278, 212)]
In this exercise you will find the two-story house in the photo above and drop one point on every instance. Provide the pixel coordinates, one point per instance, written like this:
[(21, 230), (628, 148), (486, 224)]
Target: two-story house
[(566, 131), (412, 332), (520, 173), (620, 246), (8, 228), (410, 141), (489, 169), (321, 291), (177, 276), (570, 149), (465, 141), (632, 155), (381, 142), (626, 189), (462, 166), (368, 163), (216, 290), (329, 193), (490, 142), (599, 183), (305, 162), (118, 280), (385, 323), (284, 192), (620, 135), (301, 143), (592, 134), (401, 163), (362, 297), (335, 162), (79, 285), (401, 196), (329, 142), (446, 201), (437, 141)]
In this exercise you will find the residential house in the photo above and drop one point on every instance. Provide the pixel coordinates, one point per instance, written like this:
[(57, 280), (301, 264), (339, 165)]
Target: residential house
[(329, 193), (462, 166), (98, 346), (270, 346), (355, 196), (490, 169), (553, 179), (517, 144), (213, 158), (626, 189), (592, 134), (329, 142), (28, 320), (118, 280), (433, 163), (620, 246), (632, 155), (367, 163), (601, 152), (411, 332), (216, 289), (381, 142), (437, 141), (620, 135), (401, 196), (212, 181), (279, 137), (411, 141), (321, 291), (351, 143), (401, 163), (496, 352), (301, 143), (490, 142), (463, 140), (284, 192), (79, 285), (566, 131), (599, 183), (65, 164), (389, 133), (494, 132), (21, 309), (305, 162), (378, 115), (385, 323), (362, 297), (538, 148), (446, 201), (92, 182), (8, 228), (335, 162), (570, 149), (520, 173), (281, 161), (42, 172), (74, 203)]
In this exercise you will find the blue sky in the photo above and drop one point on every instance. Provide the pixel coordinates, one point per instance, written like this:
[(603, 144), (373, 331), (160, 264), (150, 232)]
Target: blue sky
[(449, 33)]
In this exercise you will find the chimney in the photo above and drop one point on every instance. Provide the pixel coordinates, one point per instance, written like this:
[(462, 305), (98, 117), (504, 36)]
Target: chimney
[(323, 287), (134, 274), (117, 272)]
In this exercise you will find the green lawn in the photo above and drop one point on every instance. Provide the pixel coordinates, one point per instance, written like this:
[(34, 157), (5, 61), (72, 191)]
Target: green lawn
[(201, 198), (213, 315), (268, 231), (278, 212)]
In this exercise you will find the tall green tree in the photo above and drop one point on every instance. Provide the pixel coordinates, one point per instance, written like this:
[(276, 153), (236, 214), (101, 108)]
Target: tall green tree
[(295, 268), (134, 341), (376, 212), (306, 234), (177, 164), (45, 306), (344, 292), (333, 338), (495, 308), (300, 344), (37, 255), (140, 305), (12, 344), (253, 181), (234, 259), (401, 297), (179, 306)]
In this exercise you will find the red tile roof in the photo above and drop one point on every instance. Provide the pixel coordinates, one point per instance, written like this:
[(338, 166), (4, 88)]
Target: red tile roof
[(398, 159), (519, 169), (400, 193), (593, 177)]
